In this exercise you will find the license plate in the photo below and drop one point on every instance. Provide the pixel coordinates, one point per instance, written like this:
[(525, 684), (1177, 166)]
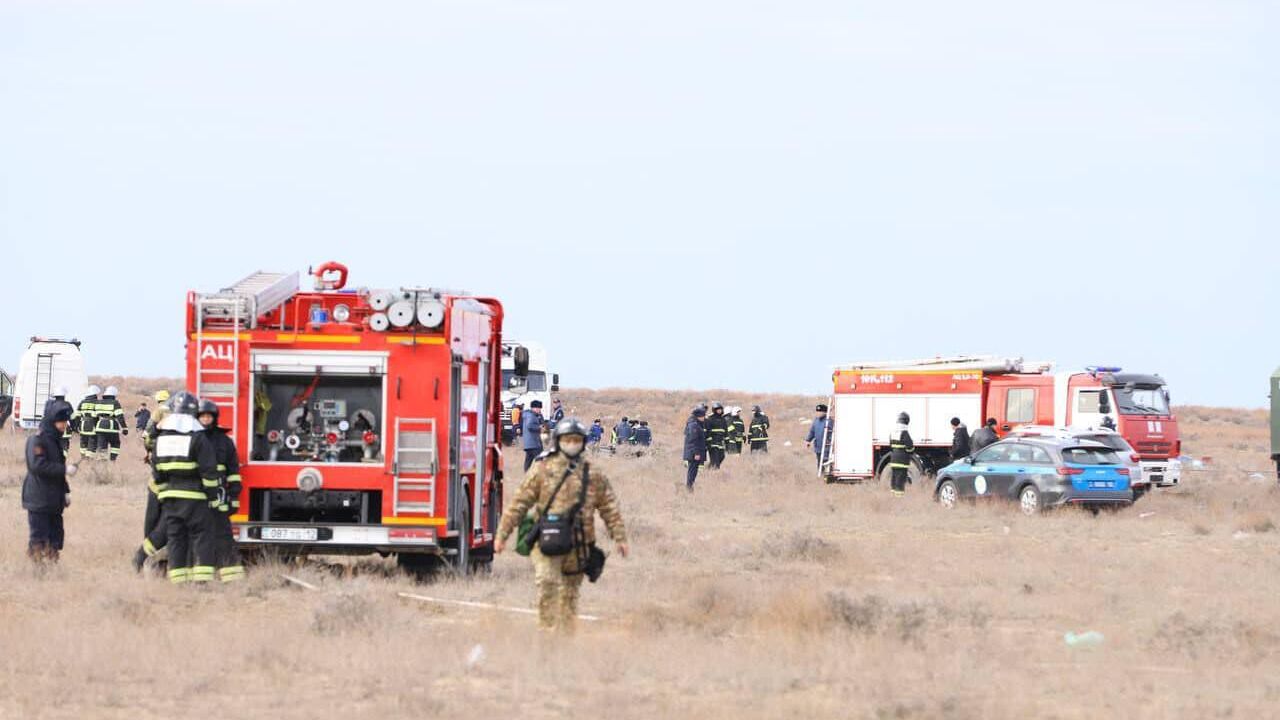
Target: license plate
[(1100, 484), (291, 534)]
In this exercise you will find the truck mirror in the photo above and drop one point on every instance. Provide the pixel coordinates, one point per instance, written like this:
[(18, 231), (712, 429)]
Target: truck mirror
[(520, 359), (1104, 403), (555, 382)]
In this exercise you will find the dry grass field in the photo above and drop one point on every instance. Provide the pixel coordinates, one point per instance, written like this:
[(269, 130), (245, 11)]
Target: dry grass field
[(764, 594)]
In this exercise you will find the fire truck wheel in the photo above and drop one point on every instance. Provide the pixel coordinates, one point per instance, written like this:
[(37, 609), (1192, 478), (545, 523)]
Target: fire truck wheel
[(423, 568), (916, 474), (462, 558)]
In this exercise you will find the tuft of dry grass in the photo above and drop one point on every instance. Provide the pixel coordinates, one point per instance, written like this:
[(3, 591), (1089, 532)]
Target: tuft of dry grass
[(765, 593)]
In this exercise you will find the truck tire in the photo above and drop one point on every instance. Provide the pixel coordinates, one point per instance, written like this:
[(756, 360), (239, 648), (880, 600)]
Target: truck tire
[(915, 474), (462, 558), (422, 567)]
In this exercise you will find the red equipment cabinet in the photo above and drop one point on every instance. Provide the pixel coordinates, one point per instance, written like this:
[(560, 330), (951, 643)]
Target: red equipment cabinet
[(366, 420), (867, 398)]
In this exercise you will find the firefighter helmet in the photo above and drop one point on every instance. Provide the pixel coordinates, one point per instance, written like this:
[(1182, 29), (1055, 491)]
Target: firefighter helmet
[(716, 406), (111, 391), (93, 390), (162, 396), (210, 407), (184, 403), (904, 419)]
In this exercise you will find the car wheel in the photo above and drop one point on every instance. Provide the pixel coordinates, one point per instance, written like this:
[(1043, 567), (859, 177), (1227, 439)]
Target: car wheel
[(1029, 500), (948, 494)]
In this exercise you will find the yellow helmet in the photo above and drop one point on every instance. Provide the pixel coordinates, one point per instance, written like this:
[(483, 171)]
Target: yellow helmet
[(162, 396)]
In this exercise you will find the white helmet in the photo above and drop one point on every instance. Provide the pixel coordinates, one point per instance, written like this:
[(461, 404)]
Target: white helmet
[(93, 390), (111, 391), (61, 391)]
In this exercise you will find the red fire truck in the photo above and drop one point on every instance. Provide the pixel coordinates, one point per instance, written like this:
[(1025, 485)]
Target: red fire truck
[(365, 419), (867, 398)]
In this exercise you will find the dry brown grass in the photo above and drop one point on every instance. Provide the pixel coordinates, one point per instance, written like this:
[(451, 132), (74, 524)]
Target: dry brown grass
[(764, 594)]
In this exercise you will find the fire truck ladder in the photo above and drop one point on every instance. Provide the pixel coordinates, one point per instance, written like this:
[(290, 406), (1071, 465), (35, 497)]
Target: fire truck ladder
[(416, 455), (824, 469), (224, 314), (44, 385)]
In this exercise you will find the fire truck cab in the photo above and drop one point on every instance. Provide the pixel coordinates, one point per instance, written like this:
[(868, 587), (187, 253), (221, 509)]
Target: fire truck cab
[(364, 419), (868, 397)]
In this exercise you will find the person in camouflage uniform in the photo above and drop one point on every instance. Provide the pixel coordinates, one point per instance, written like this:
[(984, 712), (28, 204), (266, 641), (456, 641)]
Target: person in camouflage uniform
[(559, 578)]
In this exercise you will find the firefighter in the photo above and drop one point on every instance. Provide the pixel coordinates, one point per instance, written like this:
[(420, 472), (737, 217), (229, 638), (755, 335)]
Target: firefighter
[(155, 534), (85, 420), (531, 429), (984, 436), (111, 423), (695, 445), (45, 492), (224, 501), (51, 406), (900, 449), (737, 432), (717, 436), (817, 437), (959, 440), (556, 489), (758, 431), (186, 463)]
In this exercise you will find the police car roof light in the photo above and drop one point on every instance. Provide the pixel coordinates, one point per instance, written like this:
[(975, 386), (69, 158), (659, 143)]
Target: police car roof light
[(1095, 369)]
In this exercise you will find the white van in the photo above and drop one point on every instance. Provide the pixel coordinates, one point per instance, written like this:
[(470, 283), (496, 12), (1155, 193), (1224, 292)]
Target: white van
[(47, 365)]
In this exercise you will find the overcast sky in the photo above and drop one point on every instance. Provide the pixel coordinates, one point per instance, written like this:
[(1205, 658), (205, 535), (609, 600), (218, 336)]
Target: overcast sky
[(667, 194)]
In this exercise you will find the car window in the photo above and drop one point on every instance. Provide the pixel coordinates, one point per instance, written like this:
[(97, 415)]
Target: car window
[(1090, 456), (995, 453), (1019, 453), (1020, 406), (1115, 442), (1038, 455)]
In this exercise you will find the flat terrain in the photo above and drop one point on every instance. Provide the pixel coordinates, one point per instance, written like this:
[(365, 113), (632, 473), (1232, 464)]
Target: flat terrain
[(765, 593)]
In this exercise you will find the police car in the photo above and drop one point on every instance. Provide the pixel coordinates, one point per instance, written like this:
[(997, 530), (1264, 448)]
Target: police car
[(1038, 472), (1138, 480)]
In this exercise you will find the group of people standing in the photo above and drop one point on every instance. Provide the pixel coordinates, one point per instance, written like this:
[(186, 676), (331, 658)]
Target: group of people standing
[(98, 419), (708, 438)]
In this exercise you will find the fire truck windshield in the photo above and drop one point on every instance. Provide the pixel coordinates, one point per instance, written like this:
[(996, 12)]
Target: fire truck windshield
[(317, 418), (1142, 401), (535, 382)]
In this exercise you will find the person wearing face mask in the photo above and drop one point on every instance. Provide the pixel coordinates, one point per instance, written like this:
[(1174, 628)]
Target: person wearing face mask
[(563, 488)]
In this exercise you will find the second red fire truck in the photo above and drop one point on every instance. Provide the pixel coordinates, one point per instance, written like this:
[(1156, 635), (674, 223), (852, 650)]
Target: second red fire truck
[(867, 398), (366, 419)]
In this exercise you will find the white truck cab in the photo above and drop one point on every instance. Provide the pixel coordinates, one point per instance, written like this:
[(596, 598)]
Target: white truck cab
[(525, 377)]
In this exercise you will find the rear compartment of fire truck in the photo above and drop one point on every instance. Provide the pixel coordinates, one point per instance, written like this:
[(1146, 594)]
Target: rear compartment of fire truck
[(359, 433)]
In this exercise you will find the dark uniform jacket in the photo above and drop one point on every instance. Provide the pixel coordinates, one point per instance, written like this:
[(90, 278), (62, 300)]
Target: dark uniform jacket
[(960, 443), (983, 437), (717, 431), (818, 433), (110, 416), (227, 495), (531, 429), (901, 448), (45, 488), (141, 418), (643, 435), (184, 461), (759, 430), (695, 441)]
